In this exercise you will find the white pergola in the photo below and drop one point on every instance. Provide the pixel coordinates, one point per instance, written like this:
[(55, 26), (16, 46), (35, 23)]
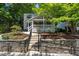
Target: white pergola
[(29, 24)]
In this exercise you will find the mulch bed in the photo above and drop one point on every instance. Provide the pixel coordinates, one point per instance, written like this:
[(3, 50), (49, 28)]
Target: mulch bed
[(59, 36)]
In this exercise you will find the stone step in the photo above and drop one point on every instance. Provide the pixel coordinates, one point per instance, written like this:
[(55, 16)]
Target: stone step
[(34, 39), (33, 42)]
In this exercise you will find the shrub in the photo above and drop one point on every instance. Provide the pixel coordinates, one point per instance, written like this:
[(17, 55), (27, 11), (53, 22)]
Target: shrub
[(3, 28), (5, 37), (15, 28)]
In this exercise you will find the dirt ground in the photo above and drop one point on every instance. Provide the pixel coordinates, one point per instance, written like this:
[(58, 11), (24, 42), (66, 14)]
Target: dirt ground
[(15, 36), (59, 36)]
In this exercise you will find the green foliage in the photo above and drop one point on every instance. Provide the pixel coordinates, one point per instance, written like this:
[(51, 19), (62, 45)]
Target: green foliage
[(52, 12), (57, 12), (13, 14), (3, 28), (15, 28), (17, 10), (63, 19), (5, 37)]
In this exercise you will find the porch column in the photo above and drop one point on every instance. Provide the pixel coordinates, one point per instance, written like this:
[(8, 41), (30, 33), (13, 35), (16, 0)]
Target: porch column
[(32, 24), (28, 26), (43, 24)]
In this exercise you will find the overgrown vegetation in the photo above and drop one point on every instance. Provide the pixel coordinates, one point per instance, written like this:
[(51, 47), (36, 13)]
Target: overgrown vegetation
[(59, 12), (12, 14), (15, 28)]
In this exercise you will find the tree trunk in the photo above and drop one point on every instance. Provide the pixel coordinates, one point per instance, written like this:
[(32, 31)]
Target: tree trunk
[(73, 27)]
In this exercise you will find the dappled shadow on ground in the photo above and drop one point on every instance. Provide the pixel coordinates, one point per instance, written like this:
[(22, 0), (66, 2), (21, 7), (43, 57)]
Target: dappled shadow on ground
[(54, 46), (12, 47)]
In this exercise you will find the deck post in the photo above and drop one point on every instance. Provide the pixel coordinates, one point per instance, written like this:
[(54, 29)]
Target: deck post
[(32, 24), (43, 24), (28, 26)]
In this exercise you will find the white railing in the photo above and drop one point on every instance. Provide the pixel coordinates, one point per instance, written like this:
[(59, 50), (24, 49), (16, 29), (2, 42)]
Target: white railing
[(30, 28), (45, 28)]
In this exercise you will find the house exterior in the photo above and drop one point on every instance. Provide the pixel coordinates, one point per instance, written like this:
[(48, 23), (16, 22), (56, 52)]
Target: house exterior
[(37, 23), (77, 26)]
